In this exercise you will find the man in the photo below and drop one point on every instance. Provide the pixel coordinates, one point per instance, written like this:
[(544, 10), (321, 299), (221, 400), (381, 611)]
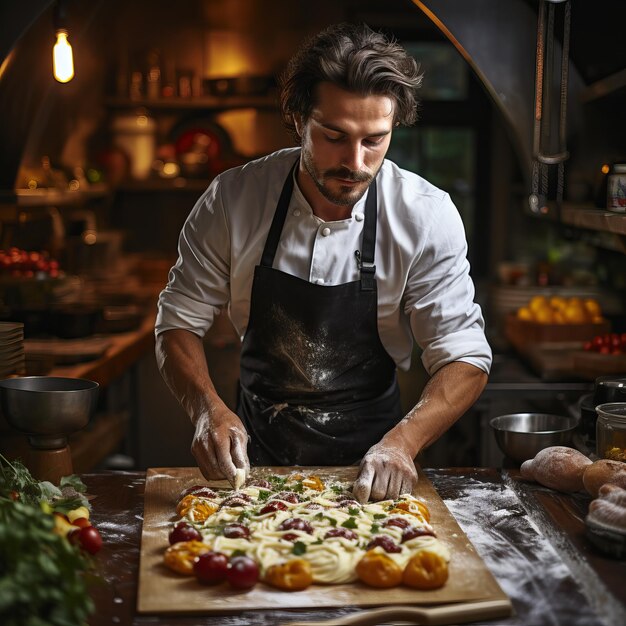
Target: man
[(328, 257)]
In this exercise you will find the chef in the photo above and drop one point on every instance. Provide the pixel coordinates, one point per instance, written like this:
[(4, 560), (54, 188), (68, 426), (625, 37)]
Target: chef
[(330, 260)]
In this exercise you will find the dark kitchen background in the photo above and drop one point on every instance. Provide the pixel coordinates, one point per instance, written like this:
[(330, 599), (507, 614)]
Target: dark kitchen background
[(98, 174)]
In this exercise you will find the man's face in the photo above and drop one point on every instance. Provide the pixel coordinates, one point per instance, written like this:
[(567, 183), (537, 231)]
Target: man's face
[(344, 142)]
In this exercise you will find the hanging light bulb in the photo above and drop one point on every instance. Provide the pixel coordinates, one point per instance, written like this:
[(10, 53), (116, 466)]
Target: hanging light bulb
[(62, 58)]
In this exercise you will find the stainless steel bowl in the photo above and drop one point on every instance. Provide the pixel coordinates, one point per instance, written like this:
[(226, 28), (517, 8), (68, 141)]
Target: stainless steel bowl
[(521, 435), (48, 408)]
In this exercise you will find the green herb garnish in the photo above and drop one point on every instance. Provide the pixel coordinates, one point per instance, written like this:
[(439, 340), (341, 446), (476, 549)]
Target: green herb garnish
[(299, 547), (264, 495), (350, 523)]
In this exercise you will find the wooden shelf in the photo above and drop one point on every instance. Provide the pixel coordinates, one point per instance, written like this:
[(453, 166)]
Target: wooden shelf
[(126, 349), (594, 219), (59, 197), (610, 226), (604, 87), (196, 185), (203, 102)]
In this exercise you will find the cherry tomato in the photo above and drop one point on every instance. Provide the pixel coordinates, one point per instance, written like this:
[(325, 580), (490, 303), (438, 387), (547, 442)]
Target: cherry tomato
[(399, 522), (349, 504), (183, 532), (211, 567), (597, 342), (236, 531), (89, 539), (296, 523), (81, 522), (385, 542), (411, 532), (272, 507), (201, 491), (346, 533), (287, 496), (243, 572), (234, 502), (261, 483)]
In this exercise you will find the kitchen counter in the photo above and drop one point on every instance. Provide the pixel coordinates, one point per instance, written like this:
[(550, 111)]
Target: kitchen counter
[(531, 538), (124, 350)]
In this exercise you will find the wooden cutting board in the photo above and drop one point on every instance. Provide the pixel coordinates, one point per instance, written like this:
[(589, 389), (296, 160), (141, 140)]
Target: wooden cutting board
[(471, 590)]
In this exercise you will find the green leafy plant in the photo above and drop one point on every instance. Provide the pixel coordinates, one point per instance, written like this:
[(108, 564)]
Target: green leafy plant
[(43, 577)]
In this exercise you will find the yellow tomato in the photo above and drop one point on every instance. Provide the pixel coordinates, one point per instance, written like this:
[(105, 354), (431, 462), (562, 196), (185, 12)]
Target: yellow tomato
[(425, 570), (376, 569), (592, 307), (524, 313), (61, 526), (558, 302), (314, 482), (543, 315), (294, 575), (180, 556), (74, 514), (575, 313), (538, 302)]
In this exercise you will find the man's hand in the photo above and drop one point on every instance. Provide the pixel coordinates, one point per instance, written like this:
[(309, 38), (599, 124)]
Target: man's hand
[(219, 445), (386, 471)]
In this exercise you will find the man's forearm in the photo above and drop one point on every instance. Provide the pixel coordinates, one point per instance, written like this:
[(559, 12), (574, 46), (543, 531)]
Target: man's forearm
[(446, 397), (182, 363)]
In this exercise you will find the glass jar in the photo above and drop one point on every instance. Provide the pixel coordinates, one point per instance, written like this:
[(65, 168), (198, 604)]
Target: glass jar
[(611, 431), (616, 188)]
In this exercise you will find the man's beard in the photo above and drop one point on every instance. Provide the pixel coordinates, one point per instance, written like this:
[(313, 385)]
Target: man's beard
[(347, 195)]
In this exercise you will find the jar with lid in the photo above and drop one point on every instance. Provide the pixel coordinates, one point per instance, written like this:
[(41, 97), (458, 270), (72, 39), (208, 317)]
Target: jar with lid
[(616, 188), (611, 431)]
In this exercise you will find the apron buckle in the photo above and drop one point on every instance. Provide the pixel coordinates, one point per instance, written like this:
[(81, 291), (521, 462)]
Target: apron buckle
[(368, 272)]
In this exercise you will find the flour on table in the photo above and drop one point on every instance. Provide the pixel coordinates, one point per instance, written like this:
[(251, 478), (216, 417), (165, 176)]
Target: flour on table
[(528, 568)]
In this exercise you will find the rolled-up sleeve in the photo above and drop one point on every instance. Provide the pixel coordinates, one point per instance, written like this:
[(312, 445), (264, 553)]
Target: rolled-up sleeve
[(198, 284), (439, 299)]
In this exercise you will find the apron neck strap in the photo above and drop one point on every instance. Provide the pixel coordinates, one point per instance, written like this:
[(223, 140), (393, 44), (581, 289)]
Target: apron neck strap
[(273, 237), (365, 256)]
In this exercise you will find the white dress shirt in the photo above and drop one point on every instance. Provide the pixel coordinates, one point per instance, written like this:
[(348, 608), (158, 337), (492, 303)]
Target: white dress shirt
[(422, 272)]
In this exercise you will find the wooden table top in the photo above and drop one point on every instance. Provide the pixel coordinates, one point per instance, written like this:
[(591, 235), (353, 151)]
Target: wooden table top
[(531, 538)]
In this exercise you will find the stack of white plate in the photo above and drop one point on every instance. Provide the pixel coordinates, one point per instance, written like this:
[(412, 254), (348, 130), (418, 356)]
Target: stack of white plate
[(12, 361)]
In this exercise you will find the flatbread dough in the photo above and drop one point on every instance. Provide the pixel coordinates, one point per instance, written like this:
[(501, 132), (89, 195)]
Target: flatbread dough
[(304, 517), (240, 478)]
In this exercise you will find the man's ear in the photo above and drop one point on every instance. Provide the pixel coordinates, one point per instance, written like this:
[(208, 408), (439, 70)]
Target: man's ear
[(298, 124)]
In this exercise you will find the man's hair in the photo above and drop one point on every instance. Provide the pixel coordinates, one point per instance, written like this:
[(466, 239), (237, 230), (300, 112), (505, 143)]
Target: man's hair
[(357, 59)]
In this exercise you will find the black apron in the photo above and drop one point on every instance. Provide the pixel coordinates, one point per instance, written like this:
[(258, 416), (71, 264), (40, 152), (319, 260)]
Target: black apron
[(317, 386)]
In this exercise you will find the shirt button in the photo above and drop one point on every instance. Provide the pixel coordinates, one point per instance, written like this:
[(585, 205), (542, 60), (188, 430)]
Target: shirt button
[(296, 212), (319, 281), (326, 232), (358, 217)]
